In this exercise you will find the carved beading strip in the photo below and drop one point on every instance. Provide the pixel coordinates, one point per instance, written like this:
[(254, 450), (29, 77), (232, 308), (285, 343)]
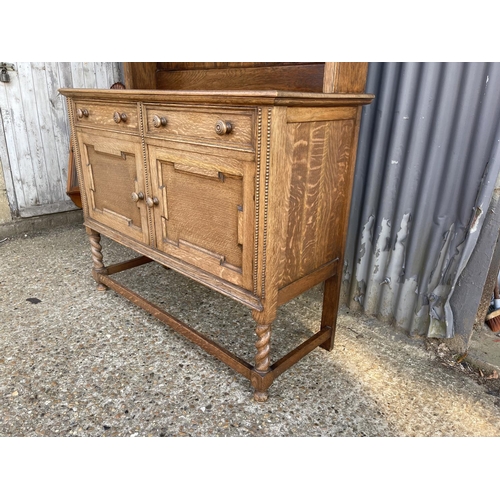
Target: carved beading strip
[(146, 174), (266, 200), (257, 202)]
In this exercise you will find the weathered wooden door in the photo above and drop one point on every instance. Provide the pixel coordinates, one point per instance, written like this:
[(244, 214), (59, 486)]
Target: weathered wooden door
[(34, 130)]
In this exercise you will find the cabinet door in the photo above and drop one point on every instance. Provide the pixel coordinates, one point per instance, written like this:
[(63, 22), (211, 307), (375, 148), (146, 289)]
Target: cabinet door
[(204, 211), (113, 178)]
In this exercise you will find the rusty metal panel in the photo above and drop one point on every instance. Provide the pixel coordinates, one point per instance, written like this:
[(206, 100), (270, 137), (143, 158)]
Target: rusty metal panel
[(426, 167)]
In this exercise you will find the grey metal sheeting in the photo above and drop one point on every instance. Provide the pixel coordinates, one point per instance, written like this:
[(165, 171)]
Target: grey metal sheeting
[(426, 168)]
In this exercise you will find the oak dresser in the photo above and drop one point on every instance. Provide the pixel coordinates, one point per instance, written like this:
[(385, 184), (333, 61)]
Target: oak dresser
[(237, 175)]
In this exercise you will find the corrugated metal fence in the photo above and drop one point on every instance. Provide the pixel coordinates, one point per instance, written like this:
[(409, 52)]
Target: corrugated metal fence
[(426, 169)]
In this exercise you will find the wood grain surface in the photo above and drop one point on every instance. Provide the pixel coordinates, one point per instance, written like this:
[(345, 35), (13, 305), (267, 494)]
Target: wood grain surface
[(255, 208)]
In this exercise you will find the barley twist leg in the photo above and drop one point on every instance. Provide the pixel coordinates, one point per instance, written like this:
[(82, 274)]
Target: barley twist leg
[(95, 249), (262, 356)]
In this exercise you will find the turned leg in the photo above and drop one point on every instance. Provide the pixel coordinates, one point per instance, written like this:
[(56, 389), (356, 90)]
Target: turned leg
[(262, 362), (98, 266), (331, 295)]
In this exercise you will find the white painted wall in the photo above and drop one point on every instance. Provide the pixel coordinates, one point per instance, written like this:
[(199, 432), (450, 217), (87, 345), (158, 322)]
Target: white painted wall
[(34, 131)]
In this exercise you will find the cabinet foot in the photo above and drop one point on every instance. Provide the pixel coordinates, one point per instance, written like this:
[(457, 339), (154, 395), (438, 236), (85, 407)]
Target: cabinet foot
[(260, 396)]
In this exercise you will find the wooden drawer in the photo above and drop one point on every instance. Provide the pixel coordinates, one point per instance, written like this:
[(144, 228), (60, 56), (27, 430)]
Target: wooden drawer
[(232, 128), (112, 116)]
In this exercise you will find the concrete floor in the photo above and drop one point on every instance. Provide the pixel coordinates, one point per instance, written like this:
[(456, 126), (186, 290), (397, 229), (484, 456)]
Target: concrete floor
[(77, 362), (484, 349)]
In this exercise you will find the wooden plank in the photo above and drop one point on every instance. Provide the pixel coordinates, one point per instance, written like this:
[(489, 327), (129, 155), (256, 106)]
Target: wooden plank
[(4, 153), (207, 279), (33, 176), (50, 208), (139, 75), (72, 186), (233, 97), (302, 78), (332, 285), (197, 170), (345, 77), (310, 240), (319, 189), (129, 264), (58, 117), (305, 283), (55, 188), (116, 73), (330, 77), (299, 352), (58, 76), (206, 149), (331, 194), (65, 80), (331, 295), (226, 165), (77, 77), (302, 115), (274, 195), (296, 153), (233, 361), (172, 66), (101, 75), (89, 75), (16, 140)]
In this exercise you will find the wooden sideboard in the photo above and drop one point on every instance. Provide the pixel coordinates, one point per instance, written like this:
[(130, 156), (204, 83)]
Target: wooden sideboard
[(244, 189)]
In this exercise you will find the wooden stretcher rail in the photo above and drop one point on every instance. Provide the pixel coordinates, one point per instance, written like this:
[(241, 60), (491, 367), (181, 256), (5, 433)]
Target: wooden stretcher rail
[(261, 379)]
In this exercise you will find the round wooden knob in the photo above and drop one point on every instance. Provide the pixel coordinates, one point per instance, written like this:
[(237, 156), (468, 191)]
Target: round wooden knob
[(137, 196), (151, 202), (159, 121), (222, 128), (82, 112), (119, 117)]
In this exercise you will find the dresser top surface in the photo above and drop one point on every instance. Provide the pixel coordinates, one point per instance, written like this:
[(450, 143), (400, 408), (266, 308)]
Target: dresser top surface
[(261, 97)]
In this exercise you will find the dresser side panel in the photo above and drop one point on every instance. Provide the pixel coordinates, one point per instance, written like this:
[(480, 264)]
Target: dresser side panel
[(319, 154)]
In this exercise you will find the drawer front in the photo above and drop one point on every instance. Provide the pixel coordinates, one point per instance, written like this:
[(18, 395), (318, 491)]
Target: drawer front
[(230, 128), (112, 116)]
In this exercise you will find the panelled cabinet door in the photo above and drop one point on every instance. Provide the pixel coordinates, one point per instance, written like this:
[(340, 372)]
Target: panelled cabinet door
[(204, 211), (114, 183)]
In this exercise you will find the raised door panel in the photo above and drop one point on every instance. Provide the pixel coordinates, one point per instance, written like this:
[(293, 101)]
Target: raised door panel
[(204, 211), (113, 176)]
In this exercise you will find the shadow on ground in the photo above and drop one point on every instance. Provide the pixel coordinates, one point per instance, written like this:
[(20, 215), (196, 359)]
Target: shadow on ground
[(77, 362)]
